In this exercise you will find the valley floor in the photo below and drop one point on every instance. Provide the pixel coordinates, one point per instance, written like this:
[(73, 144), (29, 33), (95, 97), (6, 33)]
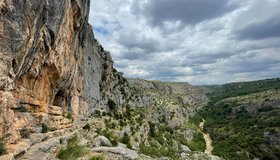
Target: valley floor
[(207, 139)]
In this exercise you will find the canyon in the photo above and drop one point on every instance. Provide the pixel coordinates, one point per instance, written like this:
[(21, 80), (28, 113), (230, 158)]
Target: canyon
[(59, 89)]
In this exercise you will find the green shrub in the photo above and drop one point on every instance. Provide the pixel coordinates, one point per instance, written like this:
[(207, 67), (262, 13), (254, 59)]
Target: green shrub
[(111, 104), (69, 116), (72, 151), (109, 135), (104, 114), (126, 140), (122, 123), (198, 143), (152, 129), (3, 149), (97, 113), (114, 142), (117, 115), (155, 151), (45, 128), (86, 127), (24, 133)]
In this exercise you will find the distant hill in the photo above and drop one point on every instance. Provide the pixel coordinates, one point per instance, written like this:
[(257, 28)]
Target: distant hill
[(243, 119)]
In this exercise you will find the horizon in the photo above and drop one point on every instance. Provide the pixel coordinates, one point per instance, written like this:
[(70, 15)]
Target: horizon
[(199, 42), (273, 78)]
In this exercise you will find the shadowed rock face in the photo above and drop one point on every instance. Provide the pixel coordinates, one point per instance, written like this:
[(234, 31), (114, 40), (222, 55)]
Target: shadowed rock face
[(49, 58)]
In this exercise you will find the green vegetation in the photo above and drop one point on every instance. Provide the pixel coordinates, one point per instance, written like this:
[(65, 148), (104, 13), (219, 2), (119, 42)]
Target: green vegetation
[(197, 143), (96, 158), (72, 151), (126, 140), (244, 88), (112, 104), (152, 130), (155, 151), (97, 113), (112, 138), (86, 127), (45, 128), (69, 116), (239, 116), (24, 133), (3, 149)]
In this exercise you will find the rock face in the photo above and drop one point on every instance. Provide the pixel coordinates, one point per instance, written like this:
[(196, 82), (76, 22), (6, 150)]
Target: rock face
[(51, 66)]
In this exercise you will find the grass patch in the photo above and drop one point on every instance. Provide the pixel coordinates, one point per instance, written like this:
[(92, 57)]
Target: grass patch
[(96, 158)]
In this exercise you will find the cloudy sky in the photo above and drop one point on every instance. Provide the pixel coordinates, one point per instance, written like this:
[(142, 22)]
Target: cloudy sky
[(195, 41)]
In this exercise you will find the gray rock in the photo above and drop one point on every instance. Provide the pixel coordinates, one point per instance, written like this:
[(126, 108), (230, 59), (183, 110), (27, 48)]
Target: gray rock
[(199, 156), (124, 152), (101, 141), (163, 158), (185, 148)]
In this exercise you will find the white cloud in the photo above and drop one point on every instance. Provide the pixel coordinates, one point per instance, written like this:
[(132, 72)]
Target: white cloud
[(210, 50)]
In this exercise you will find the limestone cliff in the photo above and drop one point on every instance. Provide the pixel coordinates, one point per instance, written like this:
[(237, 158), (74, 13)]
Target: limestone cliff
[(57, 80), (51, 65)]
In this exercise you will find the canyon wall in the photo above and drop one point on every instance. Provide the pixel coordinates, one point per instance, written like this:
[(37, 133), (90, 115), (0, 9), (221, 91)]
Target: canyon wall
[(51, 65)]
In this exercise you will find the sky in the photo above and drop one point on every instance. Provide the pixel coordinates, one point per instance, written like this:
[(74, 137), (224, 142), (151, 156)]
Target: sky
[(197, 41)]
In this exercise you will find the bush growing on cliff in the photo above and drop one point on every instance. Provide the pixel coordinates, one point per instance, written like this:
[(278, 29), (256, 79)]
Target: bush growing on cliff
[(69, 116), (45, 128), (152, 129), (126, 140), (97, 113), (24, 133), (3, 149), (111, 104), (155, 151), (86, 127)]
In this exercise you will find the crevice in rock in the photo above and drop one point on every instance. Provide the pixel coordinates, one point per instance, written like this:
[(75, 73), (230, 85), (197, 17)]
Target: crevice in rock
[(52, 35)]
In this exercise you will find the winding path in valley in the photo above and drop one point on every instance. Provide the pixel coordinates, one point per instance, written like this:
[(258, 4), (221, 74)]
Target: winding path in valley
[(207, 139)]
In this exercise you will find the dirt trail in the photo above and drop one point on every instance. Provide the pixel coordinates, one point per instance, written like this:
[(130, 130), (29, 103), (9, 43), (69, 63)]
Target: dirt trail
[(207, 139)]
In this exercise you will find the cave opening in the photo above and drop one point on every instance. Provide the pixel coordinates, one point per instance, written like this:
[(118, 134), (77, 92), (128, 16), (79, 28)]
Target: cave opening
[(59, 99)]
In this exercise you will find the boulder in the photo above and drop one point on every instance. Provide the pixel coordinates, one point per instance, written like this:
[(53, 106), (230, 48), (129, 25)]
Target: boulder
[(101, 141), (124, 152), (185, 148)]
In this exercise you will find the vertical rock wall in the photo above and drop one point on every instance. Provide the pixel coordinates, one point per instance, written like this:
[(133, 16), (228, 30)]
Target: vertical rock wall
[(50, 65)]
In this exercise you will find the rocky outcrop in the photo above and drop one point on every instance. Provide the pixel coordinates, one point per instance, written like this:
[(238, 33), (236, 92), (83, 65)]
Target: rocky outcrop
[(52, 69), (101, 141), (123, 152)]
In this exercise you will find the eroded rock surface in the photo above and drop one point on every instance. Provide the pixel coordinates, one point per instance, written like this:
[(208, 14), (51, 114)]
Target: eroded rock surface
[(51, 66)]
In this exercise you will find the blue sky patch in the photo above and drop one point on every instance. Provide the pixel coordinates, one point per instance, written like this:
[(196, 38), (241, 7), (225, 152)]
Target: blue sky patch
[(101, 30)]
